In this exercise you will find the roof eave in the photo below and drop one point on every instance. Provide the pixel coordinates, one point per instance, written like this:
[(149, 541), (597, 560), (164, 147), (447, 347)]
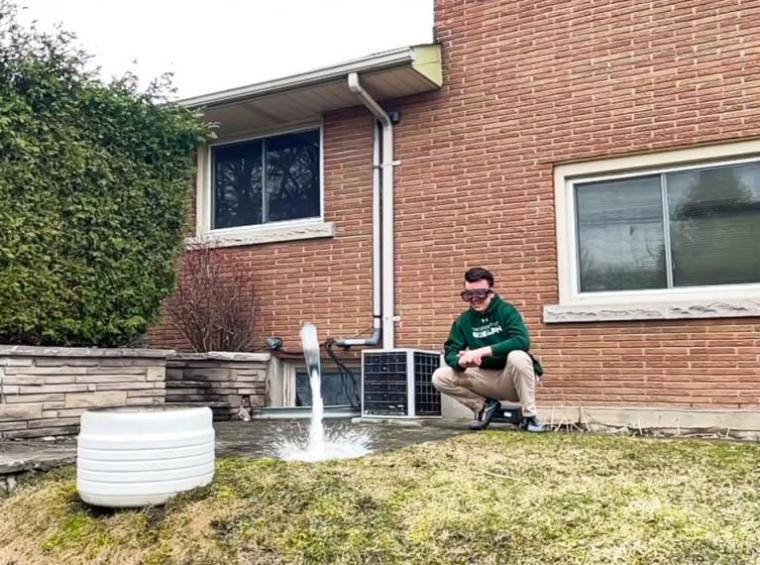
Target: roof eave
[(378, 61)]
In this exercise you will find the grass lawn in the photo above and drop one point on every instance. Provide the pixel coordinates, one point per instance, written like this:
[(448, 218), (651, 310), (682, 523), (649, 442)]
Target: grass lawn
[(492, 497)]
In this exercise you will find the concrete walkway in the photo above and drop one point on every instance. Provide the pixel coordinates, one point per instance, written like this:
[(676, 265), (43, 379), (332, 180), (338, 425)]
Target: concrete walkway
[(253, 439)]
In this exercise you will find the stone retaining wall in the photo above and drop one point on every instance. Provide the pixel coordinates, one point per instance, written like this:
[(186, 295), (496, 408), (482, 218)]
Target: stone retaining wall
[(44, 390), (219, 380)]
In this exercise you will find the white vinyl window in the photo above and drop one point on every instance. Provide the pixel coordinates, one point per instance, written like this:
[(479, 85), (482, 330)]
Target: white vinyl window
[(665, 231), (690, 227), (262, 189), (265, 180)]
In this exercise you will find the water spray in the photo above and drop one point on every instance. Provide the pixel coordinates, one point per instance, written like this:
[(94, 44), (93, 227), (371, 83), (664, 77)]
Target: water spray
[(340, 443), (310, 346)]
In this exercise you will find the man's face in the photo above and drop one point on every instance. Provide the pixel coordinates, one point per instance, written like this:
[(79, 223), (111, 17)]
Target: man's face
[(478, 294)]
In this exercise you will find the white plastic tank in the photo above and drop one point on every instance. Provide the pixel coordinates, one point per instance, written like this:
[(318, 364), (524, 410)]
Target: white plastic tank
[(142, 455)]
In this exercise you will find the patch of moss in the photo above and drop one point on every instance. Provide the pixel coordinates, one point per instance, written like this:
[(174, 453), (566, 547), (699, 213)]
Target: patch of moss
[(77, 530), (157, 557)]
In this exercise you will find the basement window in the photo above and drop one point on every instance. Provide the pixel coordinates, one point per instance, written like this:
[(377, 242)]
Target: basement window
[(337, 389)]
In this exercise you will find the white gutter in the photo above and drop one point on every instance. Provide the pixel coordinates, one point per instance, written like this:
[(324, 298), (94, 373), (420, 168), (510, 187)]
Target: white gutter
[(388, 305), (374, 62)]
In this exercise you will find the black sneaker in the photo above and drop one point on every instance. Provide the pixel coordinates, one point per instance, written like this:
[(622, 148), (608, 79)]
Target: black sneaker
[(485, 415), (533, 424)]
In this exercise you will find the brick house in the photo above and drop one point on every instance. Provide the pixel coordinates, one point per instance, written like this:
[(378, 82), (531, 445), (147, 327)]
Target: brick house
[(601, 158)]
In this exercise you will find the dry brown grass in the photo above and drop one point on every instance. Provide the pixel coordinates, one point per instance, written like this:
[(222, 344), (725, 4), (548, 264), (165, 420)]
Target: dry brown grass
[(496, 497)]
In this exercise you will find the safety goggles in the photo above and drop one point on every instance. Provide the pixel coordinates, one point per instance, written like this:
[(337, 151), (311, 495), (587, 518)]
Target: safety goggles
[(479, 294)]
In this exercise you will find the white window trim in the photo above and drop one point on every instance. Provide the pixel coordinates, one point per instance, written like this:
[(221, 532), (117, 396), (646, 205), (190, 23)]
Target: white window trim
[(306, 228), (674, 303)]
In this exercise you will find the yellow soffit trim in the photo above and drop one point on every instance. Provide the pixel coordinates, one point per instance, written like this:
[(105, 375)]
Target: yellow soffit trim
[(427, 62)]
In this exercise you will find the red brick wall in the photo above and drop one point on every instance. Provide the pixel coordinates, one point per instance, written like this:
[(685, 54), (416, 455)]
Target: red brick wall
[(324, 281), (528, 85)]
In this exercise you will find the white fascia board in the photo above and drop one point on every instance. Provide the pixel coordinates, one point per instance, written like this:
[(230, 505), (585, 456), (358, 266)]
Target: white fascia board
[(370, 63)]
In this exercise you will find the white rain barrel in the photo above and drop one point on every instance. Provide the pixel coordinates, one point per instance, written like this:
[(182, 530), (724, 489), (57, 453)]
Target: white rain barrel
[(140, 455)]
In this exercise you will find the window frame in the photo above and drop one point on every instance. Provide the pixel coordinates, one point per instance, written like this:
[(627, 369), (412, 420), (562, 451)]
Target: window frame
[(281, 230), (301, 368), (570, 175)]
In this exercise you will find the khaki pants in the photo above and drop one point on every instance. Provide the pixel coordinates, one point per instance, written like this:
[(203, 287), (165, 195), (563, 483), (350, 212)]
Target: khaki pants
[(515, 383)]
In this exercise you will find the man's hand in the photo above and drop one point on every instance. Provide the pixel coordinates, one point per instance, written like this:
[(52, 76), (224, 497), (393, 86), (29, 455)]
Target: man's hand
[(473, 357), (465, 359)]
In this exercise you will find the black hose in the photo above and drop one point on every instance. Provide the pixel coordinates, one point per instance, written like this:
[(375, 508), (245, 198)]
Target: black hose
[(347, 379)]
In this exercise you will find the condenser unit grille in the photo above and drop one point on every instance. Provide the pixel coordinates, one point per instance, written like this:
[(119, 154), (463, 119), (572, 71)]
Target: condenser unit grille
[(385, 386), (427, 400), (399, 383)]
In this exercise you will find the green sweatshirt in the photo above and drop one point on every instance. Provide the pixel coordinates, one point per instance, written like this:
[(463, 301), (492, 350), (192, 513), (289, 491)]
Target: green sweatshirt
[(500, 326)]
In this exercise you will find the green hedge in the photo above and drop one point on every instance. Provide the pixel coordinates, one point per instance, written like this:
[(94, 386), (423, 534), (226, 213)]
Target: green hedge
[(94, 182)]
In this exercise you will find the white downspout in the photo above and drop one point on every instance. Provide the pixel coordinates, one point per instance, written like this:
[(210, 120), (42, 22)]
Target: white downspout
[(388, 305), (377, 324)]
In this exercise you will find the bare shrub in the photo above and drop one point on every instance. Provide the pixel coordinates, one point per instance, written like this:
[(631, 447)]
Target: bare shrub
[(213, 306)]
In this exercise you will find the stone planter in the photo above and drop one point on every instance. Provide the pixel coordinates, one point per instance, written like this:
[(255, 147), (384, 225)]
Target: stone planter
[(44, 390), (220, 380)]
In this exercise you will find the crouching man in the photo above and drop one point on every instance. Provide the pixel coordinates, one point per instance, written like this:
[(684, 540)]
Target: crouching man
[(487, 357)]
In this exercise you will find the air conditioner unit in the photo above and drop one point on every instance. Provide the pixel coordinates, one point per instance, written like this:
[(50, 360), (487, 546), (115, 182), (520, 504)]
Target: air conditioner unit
[(398, 383)]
